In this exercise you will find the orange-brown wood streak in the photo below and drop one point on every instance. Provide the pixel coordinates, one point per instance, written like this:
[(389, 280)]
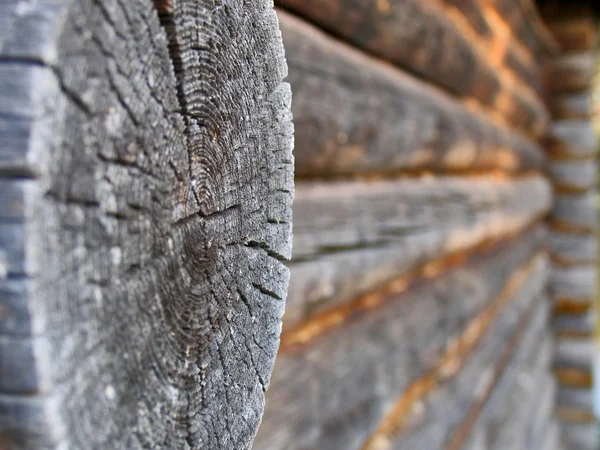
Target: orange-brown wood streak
[(455, 357), (322, 323), (577, 378)]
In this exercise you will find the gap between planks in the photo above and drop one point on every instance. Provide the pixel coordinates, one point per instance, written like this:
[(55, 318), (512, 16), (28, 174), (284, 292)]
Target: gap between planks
[(314, 327)]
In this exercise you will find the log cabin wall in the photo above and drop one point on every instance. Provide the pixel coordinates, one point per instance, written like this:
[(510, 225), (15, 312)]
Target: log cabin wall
[(572, 148), (418, 314)]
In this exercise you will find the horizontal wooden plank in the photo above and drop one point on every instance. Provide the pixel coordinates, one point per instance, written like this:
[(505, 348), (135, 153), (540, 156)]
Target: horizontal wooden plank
[(573, 138), (332, 393), (573, 248), (574, 174), (571, 72), (574, 282), (484, 375), (574, 353), (576, 210), (350, 237), (422, 38), (574, 325), (356, 115), (570, 105)]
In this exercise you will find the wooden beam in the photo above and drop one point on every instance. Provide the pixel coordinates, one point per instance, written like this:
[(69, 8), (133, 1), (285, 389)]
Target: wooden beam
[(351, 237), (421, 38), (355, 115), (346, 380)]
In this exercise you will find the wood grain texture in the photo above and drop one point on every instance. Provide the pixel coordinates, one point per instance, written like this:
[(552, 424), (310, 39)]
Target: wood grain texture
[(569, 398), (422, 38), (350, 237), (574, 325), (346, 380), (355, 115), (146, 183)]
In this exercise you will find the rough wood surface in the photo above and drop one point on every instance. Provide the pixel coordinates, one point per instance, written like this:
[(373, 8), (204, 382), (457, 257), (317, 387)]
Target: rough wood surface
[(350, 237), (348, 378), (573, 138), (576, 399), (422, 38), (574, 28), (574, 175), (542, 419), (356, 115), (146, 175)]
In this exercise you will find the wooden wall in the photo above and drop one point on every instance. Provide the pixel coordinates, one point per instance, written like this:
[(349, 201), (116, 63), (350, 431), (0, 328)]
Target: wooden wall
[(572, 149), (433, 139)]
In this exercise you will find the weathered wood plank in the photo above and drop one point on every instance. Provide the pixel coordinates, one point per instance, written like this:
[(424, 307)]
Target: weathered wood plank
[(356, 115), (575, 325), (349, 377), (576, 211), (573, 138), (573, 398), (574, 174), (527, 25), (350, 237), (542, 418), (421, 38), (571, 72), (580, 436), (574, 282), (574, 353), (145, 207), (451, 404)]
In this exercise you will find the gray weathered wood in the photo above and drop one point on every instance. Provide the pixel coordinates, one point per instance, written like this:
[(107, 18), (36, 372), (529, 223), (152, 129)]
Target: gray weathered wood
[(146, 180), (485, 379), (579, 436), (574, 174), (575, 324), (355, 114), (577, 210), (421, 37), (570, 106), (350, 237), (542, 417), (573, 248), (579, 399), (332, 392), (574, 282), (573, 138), (575, 353)]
